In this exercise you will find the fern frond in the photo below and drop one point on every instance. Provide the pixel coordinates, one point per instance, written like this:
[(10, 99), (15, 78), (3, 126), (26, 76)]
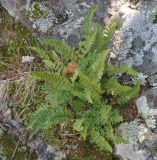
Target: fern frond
[(58, 97), (89, 82), (100, 141), (44, 56), (99, 40), (78, 104), (87, 26), (86, 45), (63, 49), (109, 131), (115, 117), (53, 79), (109, 32), (115, 88), (105, 112), (44, 117), (99, 65), (89, 34), (110, 134), (92, 87), (113, 70), (86, 63), (79, 126), (124, 98), (58, 64)]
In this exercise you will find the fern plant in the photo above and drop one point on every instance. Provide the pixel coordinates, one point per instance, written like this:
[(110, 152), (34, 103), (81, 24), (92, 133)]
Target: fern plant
[(78, 83)]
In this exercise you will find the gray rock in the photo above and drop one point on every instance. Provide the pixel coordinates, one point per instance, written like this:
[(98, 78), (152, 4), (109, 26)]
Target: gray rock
[(151, 95), (62, 18), (145, 111), (151, 143), (152, 80), (133, 131), (135, 43), (127, 152)]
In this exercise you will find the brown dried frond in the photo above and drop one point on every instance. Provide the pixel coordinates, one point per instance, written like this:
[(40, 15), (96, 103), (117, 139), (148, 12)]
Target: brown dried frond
[(71, 68)]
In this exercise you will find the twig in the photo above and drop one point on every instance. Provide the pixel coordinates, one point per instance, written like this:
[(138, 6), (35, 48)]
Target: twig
[(22, 112), (15, 149), (74, 134)]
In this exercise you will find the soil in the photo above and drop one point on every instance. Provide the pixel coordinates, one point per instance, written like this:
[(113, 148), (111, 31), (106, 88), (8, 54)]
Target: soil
[(129, 112)]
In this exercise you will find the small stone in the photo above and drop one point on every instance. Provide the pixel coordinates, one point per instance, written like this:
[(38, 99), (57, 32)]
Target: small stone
[(7, 113), (26, 59), (112, 55)]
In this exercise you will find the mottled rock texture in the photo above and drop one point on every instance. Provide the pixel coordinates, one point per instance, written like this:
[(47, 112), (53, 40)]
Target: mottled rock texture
[(61, 19), (135, 44)]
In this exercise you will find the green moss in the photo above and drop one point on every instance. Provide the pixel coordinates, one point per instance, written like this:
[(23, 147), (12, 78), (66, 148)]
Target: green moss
[(18, 39), (36, 12), (51, 136), (83, 151)]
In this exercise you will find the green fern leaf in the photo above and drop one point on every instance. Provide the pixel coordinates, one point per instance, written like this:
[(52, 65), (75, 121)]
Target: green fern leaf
[(99, 40), (124, 98), (115, 118), (99, 65), (115, 88), (109, 32), (87, 26), (45, 57), (100, 141), (61, 48), (56, 81), (86, 45), (44, 117), (78, 126), (113, 70), (92, 87)]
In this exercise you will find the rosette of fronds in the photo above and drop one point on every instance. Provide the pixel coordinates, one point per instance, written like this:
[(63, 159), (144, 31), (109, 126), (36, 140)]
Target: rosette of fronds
[(82, 86)]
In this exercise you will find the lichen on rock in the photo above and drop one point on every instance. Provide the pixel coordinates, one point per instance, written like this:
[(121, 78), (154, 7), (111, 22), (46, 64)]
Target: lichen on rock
[(134, 131)]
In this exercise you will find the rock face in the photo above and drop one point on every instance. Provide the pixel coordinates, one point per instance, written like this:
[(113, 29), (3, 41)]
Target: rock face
[(58, 18), (135, 44)]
